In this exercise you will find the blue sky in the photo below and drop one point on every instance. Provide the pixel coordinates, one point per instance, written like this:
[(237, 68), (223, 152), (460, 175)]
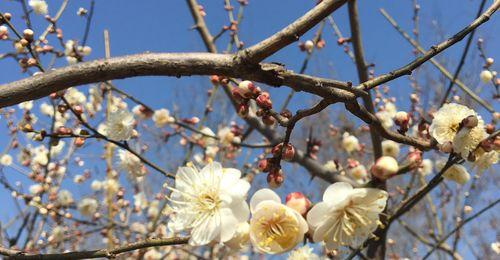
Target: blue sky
[(163, 26)]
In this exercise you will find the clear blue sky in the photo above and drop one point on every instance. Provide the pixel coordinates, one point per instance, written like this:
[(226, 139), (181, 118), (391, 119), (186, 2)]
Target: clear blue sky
[(163, 26)]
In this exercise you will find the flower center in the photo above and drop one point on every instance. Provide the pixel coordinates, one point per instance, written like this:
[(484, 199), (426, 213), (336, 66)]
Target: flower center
[(209, 201), (280, 228)]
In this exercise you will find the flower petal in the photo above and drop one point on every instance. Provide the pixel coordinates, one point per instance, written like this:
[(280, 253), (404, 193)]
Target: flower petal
[(337, 192), (318, 213), (263, 195), (229, 224)]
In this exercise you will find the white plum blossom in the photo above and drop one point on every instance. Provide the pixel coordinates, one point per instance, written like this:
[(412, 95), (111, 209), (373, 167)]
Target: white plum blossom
[(426, 167), (349, 142), (467, 139), (390, 148), (57, 234), (26, 105), (209, 203), (495, 246), (161, 117), (391, 109), (47, 109), (120, 125), (303, 253), (385, 118), (130, 163), (456, 172), (485, 161), (240, 238), (36, 189), (39, 6), (274, 227), (225, 135), (96, 185), (446, 121), (74, 96), (65, 198), (346, 216), (6, 160), (87, 207)]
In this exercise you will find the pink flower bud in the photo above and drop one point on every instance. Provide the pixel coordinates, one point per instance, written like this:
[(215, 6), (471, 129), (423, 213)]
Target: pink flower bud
[(275, 178), (385, 167), (263, 165), (242, 110), (246, 88), (288, 151), (401, 119), (263, 101), (298, 201)]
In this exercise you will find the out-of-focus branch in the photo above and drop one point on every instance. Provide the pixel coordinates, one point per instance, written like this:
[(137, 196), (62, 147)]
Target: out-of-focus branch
[(440, 67), (102, 253), (200, 26), (458, 227), (433, 51), (291, 33)]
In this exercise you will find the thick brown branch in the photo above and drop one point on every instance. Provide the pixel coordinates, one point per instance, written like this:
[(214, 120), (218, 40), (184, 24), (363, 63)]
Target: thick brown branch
[(166, 64)]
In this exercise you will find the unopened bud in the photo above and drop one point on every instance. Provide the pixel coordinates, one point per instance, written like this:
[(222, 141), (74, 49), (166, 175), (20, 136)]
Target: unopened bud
[(385, 167), (470, 121), (264, 165), (401, 119), (28, 35), (263, 101), (275, 178), (288, 151), (298, 201)]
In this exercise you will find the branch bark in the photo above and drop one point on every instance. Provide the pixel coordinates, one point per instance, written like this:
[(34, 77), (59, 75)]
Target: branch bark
[(154, 242)]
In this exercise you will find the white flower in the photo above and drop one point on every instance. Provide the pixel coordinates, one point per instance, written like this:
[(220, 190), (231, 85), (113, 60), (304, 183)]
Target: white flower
[(140, 200), (346, 216), (206, 138), (358, 172), (349, 142), (47, 109), (240, 238), (486, 76), (57, 234), (226, 136), (467, 139), (390, 108), (210, 203), (162, 117), (65, 198), (390, 148), (26, 105), (309, 46), (56, 149), (87, 207), (426, 167), (130, 164), (71, 60), (495, 246), (6, 160), (303, 253), (153, 254), (39, 6), (36, 189), (274, 227), (485, 161), (40, 155), (332, 166), (74, 96), (385, 118), (111, 185), (456, 172), (96, 185), (446, 121), (120, 125)]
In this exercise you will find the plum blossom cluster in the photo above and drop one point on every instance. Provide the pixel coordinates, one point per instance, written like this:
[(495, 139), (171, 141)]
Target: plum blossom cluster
[(210, 205), (460, 130)]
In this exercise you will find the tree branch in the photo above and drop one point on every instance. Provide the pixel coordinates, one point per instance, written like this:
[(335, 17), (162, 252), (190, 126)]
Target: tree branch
[(152, 242)]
